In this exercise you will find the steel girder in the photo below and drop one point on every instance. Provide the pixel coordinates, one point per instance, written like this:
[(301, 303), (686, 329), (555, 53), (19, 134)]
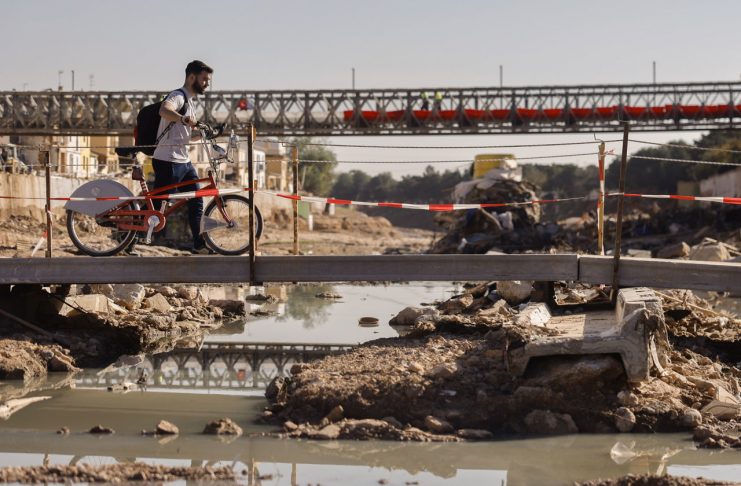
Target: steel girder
[(533, 109)]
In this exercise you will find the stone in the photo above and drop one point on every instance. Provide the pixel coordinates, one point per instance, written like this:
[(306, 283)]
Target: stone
[(499, 309), (533, 315), (222, 426), (276, 390), (299, 368), (336, 414), (187, 292), (545, 422), (290, 426), (515, 291), (456, 306), (157, 303), (393, 422), (99, 429), (89, 304), (128, 295), (230, 306), (691, 418), (438, 425), (415, 367), (166, 291), (330, 432), (627, 398), (474, 434), (407, 316), (328, 295), (166, 428), (715, 252), (105, 289), (677, 250), (63, 431), (625, 420), (444, 370)]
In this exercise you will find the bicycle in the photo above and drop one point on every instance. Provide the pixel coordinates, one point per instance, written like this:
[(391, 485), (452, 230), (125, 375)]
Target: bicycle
[(106, 226)]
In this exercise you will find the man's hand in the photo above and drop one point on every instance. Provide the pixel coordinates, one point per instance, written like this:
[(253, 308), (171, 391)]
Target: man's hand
[(189, 121)]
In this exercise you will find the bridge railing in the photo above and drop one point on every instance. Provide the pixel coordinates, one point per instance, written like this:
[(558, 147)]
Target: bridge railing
[(443, 110)]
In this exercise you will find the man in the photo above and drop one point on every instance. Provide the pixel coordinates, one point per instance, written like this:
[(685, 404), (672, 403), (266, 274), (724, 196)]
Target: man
[(170, 160)]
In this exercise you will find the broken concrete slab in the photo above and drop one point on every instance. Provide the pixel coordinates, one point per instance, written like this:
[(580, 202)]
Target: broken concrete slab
[(91, 303), (533, 315), (625, 332), (158, 303), (677, 250)]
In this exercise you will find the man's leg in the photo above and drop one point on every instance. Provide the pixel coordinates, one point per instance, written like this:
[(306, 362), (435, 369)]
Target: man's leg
[(195, 206)]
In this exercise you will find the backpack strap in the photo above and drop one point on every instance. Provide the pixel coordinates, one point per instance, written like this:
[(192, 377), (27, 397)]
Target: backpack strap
[(183, 110)]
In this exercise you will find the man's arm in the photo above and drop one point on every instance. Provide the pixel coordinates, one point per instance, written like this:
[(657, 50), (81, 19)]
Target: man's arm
[(169, 113)]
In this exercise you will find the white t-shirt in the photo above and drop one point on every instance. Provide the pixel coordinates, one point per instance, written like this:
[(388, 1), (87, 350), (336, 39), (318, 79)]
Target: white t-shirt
[(173, 146)]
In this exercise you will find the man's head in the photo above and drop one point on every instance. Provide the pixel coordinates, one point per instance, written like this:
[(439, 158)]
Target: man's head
[(197, 76)]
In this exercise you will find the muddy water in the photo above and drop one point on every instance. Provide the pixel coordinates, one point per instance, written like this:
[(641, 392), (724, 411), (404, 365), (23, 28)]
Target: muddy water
[(226, 376)]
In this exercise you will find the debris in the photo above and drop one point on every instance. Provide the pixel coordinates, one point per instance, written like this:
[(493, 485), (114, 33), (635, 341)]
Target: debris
[(545, 422), (407, 316), (328, 295), (677, 250), (336, 414), (533, 315), (691, 418), (625, 420), (437, 425), (474, 434), (515, 291), (222, 426), (99, 429), (157, 303), (166, 428)]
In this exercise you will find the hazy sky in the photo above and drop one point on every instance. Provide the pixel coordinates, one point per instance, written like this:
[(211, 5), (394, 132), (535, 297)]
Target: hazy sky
[(314, 44)]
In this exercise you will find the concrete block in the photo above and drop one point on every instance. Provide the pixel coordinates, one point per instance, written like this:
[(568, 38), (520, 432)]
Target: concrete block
[(621, 332), (91, 303), (157, 303)]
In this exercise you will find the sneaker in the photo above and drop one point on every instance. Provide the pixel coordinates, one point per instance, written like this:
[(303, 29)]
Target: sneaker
[(131, 251), (202, 250)]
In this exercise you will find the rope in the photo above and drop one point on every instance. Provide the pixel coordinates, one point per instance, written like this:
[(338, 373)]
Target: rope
[(419, 147), (690, 147), (687, 161), (310, 161)]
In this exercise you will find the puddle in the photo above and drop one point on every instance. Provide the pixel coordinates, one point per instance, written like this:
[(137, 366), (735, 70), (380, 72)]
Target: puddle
[(305, 318)]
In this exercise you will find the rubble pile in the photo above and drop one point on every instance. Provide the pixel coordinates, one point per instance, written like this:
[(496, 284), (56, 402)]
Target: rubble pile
[(114, 473), (666, 230), (92, 325), (478, 230), (450, 378)]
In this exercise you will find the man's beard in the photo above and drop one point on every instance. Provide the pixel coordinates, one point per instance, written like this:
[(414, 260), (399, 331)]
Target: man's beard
[(196, 88)]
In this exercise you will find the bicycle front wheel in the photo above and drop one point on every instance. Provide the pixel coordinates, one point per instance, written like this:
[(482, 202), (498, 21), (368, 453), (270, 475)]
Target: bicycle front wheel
[(95, 239), (234, 238)]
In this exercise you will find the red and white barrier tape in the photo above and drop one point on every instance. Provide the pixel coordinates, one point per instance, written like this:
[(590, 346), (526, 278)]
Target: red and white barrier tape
[(715, 199), (424, 207), (349, 202)]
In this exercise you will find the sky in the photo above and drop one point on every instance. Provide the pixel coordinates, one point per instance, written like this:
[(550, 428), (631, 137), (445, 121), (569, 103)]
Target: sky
[(252, 45)]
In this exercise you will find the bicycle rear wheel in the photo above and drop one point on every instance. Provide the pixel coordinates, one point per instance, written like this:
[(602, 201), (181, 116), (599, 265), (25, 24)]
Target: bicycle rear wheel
[(231, 239), (95, 239)]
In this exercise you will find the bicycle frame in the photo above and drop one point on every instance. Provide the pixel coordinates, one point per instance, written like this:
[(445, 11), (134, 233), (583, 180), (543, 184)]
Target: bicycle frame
[(141, 219)]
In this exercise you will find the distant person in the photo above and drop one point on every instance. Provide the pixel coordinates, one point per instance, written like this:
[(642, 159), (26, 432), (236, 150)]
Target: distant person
[(438, 100), (170, 161), (425, 100)]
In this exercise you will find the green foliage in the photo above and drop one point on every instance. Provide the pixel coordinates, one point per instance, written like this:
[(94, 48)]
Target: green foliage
[(661, 177), (431, 186), (316, 178), (562, 179)]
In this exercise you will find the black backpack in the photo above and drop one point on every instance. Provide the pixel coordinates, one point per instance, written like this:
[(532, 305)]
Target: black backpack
[(148, 122)]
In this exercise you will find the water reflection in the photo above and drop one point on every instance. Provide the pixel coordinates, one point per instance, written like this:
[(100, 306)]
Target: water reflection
[(303, 305), (234, 366)]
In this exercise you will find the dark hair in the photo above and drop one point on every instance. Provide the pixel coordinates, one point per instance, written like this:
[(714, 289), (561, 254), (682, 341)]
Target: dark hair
[(197, 67)]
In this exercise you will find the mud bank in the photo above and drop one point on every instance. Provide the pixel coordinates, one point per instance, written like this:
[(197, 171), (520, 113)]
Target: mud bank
[(651, 480), (61, 329), (117, 473), (451, 378)]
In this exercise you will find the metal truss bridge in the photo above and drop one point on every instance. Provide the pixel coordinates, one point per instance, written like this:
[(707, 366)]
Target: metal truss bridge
[(531, 109)]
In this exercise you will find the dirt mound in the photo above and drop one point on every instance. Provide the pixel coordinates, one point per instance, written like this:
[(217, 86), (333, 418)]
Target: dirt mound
[(652, 480), (113, 473), (452, 374)]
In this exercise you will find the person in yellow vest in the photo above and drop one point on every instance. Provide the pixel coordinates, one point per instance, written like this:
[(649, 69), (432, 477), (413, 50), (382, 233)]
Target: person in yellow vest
[(438, 100)]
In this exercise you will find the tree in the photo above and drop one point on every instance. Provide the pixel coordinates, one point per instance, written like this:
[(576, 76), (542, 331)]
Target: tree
[(315, 177)]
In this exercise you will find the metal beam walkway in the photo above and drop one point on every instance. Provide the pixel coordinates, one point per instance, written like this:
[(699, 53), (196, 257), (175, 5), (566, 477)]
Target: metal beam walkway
[(722, 277)]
